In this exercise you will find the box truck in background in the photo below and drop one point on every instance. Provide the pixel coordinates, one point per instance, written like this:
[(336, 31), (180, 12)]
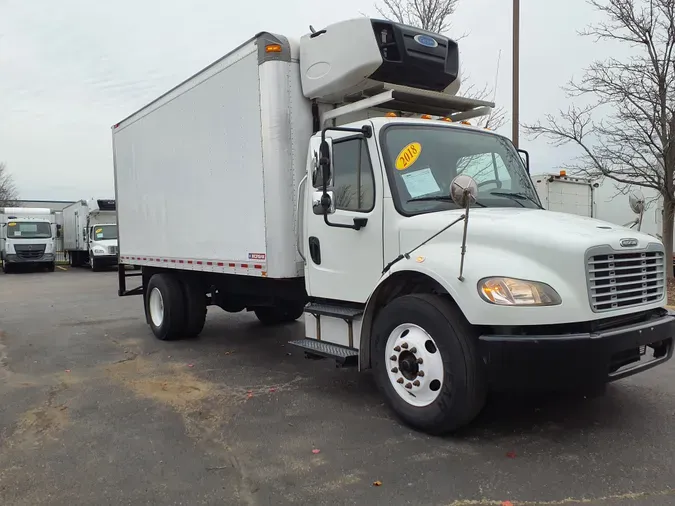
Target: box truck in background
[(631, 206), (27, 236), (90, 233), (283, 179)]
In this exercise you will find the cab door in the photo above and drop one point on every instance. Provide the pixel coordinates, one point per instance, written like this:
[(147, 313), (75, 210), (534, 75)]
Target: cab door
[(344, 261)]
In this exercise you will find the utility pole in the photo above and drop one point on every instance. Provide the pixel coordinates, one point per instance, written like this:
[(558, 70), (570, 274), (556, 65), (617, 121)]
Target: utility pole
[(516, 73)]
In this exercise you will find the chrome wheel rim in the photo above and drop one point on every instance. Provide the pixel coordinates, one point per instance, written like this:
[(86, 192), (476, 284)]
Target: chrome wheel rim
[(414, 365), (156, 306)]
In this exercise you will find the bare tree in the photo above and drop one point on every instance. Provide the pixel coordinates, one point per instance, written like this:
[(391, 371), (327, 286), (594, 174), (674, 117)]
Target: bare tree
[(434, 16), (628, 132), (8, 192)]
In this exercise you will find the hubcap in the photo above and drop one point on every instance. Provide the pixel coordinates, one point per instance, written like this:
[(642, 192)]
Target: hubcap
[(156, 306), (414, 363)]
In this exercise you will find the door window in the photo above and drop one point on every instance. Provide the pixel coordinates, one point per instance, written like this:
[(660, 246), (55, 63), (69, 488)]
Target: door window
[(353, 180)]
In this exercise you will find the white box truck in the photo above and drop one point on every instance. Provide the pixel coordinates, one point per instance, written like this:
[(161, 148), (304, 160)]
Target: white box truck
[(333, 176), (27, 236), (90, 233)]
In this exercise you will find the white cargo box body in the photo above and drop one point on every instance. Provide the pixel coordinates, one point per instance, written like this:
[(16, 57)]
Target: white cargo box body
[(206, 175), (565, 194), (74, 221)]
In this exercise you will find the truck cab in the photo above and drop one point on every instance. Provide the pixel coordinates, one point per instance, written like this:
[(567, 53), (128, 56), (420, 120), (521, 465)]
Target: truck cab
[(28, 237), (102, 245)]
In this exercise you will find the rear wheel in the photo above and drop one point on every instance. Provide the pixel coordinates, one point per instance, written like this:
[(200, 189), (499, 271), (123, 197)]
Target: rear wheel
[(165, 306), (195, 307), (275, 315), (426, 363)]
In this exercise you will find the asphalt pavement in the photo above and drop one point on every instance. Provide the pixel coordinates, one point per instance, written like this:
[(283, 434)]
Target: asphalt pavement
[(95, 411)]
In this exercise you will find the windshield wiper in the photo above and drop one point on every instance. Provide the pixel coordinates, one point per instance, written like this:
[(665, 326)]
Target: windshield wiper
[(440, 198), (517, 197)]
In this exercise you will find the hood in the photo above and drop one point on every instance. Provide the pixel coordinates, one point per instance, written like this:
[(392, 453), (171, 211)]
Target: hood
[(104, 243), (519, 229)]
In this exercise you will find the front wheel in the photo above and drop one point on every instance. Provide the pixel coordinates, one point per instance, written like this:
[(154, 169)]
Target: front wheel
[(50, 267), (95, 266), (6, 267), (427, 364)]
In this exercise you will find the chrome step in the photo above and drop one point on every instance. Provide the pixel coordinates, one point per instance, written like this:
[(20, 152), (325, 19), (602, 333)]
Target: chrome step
[(342, 354), (346, 313)]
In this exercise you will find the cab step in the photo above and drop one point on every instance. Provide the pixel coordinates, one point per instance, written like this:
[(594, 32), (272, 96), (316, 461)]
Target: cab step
[(344, 312), (314, 348)]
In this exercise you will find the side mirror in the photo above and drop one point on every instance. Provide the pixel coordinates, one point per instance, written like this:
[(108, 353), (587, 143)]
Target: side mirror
[(323, 202), (525, 156), (325, 172)]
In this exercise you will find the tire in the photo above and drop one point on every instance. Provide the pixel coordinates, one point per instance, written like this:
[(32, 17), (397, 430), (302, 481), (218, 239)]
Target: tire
[(6, 267), (195, 307), (168, 321), (50, 267), (279, 314), (95, 266), (457, 392)]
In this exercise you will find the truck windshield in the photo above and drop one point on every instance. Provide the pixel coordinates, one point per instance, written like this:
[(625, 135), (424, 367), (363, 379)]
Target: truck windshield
[(104, 232), (423, 160), (29, 230)]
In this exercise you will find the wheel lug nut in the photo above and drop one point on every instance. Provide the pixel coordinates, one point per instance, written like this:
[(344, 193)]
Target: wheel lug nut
[(400, 380), (408, 386), (394, 370), (420, 361), (420, 374), (413, 350), (394, 358), (416, 383), (404, 346), (397, 349)]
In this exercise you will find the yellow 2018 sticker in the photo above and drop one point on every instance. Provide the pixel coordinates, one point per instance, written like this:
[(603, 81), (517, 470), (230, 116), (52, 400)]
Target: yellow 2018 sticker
[(408, 155), (99, 230), (11, 224)]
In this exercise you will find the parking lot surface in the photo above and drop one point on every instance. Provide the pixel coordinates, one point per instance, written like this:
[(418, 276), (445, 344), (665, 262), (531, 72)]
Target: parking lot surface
[(95, 411)]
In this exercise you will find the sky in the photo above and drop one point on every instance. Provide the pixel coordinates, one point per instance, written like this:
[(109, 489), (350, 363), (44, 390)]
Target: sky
[(69, 69)]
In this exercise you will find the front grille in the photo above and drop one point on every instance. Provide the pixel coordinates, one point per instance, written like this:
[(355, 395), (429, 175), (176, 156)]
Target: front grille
[(112, 250), (618, 280), (29, 251)]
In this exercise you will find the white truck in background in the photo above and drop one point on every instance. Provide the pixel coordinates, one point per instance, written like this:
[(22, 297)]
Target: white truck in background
[(283, 179), (27, 236), (601, 198), (90, 233)]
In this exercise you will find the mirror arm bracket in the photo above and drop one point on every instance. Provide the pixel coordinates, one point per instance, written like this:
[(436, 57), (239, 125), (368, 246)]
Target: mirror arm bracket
[(324, 162)]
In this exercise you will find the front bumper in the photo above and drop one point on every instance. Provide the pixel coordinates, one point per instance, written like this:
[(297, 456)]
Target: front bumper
[(577, 360), (16, 259), (105, 260)]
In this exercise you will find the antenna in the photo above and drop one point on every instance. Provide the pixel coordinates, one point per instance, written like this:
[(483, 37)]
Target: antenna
[(494, 89)]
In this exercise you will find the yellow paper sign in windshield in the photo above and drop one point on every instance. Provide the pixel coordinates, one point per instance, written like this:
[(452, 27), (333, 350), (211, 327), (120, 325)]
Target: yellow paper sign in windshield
[(11, 224), (99, 230), (408, 155)]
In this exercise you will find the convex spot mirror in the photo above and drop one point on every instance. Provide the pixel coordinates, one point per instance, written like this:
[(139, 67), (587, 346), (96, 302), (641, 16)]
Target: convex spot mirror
[(323, 202), (463, 190)]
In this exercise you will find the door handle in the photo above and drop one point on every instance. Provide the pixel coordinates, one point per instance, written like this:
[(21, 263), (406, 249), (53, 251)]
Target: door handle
[(315, 250)]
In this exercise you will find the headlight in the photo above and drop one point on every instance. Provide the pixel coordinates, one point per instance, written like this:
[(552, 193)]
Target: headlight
[(517, 292)]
